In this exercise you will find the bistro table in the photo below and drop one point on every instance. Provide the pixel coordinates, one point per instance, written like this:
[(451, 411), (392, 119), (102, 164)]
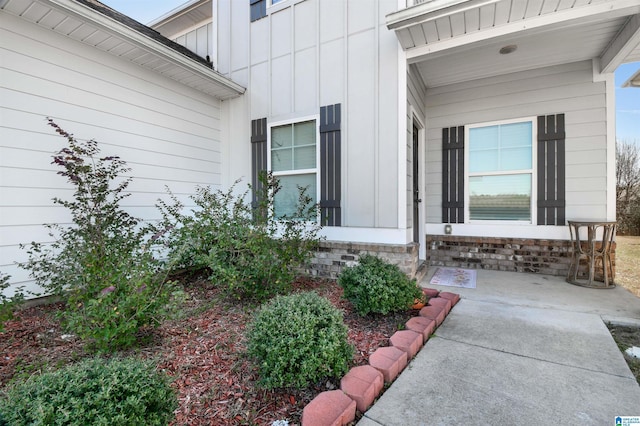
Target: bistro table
[(595, 249)]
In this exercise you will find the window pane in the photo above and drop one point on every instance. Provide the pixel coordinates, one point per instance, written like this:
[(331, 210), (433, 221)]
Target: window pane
[(506, 197), (281, 136), (483, 149), (304, 133), (515, 144), (281, 159), (502, 147), (286, 200), (304, 158)]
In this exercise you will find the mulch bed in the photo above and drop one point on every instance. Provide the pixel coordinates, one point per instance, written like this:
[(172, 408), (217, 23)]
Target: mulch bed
[(204, 351)]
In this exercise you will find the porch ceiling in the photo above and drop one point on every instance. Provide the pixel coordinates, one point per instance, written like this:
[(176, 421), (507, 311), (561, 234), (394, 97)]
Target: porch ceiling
[(125, 38), (451, 41)]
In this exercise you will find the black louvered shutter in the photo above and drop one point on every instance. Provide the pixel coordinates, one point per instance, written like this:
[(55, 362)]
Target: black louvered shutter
[(551, 170), (258, 157), (258, 9), (330, 191), (453, 175)]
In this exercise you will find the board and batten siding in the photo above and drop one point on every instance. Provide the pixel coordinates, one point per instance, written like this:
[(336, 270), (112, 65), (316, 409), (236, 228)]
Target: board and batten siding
[(307, 54), (567, 89), (167, 133), (199, 40)]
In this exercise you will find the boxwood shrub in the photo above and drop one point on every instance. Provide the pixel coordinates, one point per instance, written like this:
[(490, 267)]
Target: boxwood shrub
[(92, 392), (298, 340), (376, 286)]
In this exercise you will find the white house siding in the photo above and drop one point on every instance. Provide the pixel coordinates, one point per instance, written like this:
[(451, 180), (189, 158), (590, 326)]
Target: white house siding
[(567, 89), (198, 39), (415, 107), (311, 53), (169, 134)]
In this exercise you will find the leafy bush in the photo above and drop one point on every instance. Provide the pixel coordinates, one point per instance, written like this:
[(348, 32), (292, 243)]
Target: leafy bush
[(297, 340), (247, 250), (377, 286), (8, 304), (92, 392), (103, 264)]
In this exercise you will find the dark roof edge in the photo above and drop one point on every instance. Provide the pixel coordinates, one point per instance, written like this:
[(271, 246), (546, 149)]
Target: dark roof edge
[(143, 29)]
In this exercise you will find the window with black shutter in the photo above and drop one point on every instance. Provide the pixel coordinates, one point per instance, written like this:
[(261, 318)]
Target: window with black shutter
[(330, 155), (258, 9), (453, 175), (551, 170)]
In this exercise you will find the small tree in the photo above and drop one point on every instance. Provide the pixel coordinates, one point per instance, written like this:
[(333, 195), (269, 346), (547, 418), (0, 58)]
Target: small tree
[(628, 186), (102, 265)]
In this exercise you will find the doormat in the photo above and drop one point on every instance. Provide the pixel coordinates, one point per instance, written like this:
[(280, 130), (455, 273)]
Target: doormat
[(454, 277)]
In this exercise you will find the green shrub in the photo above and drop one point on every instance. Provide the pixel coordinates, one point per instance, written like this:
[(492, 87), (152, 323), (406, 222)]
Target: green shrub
[(102, 265), (8, 304), (297, 340), (375, 286), (92, 392), (248, 251)]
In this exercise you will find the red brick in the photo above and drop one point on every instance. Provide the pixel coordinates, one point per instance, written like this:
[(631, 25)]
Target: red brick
[(439, 301), (455, 298), (331, 408), (362, 384), (408, 341), (390, 361), (430, 292), (436, 313), (422, 325)]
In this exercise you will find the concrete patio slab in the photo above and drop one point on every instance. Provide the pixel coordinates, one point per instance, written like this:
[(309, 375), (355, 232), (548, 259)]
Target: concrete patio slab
[(547, 291), (519, 348), (562, 337), (472, 385)]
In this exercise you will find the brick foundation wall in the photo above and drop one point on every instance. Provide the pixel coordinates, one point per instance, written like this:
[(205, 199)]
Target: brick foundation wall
[(332, 256), (550, 257)]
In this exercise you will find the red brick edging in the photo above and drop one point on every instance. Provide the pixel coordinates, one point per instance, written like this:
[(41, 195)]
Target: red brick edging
[(363, 384)]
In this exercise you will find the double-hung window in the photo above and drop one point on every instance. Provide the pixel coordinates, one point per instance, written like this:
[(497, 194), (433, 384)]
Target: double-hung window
[(500, 171), (293, 160)]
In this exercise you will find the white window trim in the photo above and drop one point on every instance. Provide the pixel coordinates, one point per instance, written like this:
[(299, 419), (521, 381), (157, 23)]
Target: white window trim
[(316, 170), (534, 177)]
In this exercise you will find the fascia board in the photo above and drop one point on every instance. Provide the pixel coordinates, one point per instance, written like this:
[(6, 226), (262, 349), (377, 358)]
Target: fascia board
[(117, 29)]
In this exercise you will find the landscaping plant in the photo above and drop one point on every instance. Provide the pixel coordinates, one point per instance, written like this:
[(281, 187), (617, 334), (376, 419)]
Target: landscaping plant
[(244, 248), (92, 392), (102, 265), (8, 304), (299, 340), (376, 286)]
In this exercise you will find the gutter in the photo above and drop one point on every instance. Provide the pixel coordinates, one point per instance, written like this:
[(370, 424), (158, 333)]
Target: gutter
[(430, 11), (118, 29)]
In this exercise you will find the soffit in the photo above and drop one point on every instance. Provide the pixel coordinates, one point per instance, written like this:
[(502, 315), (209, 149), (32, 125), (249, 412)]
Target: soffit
[(633, 81), (124, 38), (184, 17), (452, 41)]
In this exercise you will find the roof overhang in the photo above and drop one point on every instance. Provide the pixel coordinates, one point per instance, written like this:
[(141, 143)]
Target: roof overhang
[(549, 32), (83, 23), (187, 15), (633, 81)]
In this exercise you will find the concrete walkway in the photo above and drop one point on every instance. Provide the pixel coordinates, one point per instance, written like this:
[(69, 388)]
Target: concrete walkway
[(518, 349)]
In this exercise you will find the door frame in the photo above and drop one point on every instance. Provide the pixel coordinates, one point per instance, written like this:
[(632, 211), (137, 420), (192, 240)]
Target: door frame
[(420, 229)]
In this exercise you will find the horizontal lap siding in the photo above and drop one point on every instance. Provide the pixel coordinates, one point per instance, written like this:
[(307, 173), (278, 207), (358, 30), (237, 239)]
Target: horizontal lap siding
[(567, 89), (168, 134)]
